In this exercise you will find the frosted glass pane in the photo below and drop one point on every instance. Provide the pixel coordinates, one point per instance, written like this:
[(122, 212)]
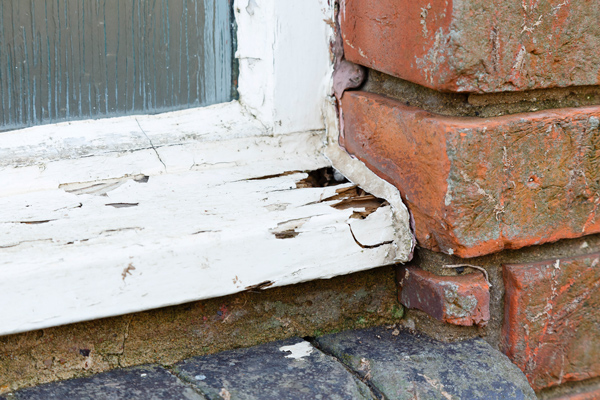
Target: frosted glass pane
[(76, 59)]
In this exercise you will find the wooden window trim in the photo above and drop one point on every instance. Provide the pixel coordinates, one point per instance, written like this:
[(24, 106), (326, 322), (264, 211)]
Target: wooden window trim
[(113, 216)]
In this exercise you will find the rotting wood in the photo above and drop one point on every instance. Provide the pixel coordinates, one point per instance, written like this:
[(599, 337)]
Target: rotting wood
[(355, 197), (356, 171)]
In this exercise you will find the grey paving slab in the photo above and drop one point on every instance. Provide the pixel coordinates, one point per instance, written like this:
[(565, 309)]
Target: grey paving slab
[(290, 369), (144, 383), (404, 366)]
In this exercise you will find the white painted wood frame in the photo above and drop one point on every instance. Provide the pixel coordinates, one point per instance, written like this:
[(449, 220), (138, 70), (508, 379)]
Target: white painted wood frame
[(112, 216)]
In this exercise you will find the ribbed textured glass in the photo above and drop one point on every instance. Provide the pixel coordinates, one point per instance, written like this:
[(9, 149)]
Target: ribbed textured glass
[(76, 59)]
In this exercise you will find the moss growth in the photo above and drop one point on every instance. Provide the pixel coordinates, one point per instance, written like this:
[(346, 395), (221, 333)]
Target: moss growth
[(397, 311)]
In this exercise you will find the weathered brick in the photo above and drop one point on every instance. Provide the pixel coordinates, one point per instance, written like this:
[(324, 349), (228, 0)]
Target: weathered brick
[(459, 300), (479, 185), (552, 321), (476, 45)]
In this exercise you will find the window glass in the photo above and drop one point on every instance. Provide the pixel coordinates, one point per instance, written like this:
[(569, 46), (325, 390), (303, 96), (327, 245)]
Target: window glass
[(77, 59)]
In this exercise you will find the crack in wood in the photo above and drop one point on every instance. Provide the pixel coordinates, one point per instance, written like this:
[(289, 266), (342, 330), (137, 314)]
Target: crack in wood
[(78, 205), (151, 144), (204, 231), (8, 246), (286, 173), (322, 177), (368, 246), (260, 286), (133, 228)]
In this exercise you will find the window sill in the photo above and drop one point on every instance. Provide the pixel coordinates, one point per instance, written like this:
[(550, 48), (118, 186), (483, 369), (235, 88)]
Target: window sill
[(114, 216)]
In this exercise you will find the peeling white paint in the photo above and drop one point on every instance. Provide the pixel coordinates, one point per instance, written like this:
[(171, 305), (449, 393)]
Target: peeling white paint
[(357, 172), (108, 217), (298, 350), (399, 233), (182, 231), (284, 61)]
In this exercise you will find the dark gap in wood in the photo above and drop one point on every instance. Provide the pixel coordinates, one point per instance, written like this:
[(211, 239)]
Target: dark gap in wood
[(142, 179), (288, 234), (355, 197), (322, 177), (260, 286)]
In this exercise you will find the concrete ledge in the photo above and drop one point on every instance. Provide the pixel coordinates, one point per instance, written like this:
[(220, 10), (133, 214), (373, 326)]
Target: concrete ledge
[(168, 335)]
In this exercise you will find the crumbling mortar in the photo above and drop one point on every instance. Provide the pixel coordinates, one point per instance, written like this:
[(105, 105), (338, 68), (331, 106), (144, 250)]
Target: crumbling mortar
[(479, 105)]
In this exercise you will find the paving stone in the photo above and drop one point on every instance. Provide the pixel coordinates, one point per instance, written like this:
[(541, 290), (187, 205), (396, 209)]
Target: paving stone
[(476, 45), (552, 324), (404, 366), (143, 383), (270, 372), (480, 185), (458, 300)]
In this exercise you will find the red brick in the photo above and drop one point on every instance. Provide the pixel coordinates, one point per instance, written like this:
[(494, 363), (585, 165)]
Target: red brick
[(552, 320), (476, 45), (459, 300), (479, 185)]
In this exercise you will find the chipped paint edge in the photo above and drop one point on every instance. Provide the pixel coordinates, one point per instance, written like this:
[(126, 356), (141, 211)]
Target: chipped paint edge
[(357, 172)]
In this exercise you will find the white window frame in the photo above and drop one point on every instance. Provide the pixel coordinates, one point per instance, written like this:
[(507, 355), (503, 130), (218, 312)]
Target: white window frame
[(285, 121)]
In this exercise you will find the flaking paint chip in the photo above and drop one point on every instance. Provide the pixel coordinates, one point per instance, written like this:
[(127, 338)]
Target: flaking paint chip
[(298, 350)]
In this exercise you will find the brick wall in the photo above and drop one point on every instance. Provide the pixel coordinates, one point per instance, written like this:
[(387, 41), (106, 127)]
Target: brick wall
[(486, 117)]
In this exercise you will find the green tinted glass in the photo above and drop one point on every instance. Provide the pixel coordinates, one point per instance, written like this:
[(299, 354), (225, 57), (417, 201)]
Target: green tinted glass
[(77, 59)]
